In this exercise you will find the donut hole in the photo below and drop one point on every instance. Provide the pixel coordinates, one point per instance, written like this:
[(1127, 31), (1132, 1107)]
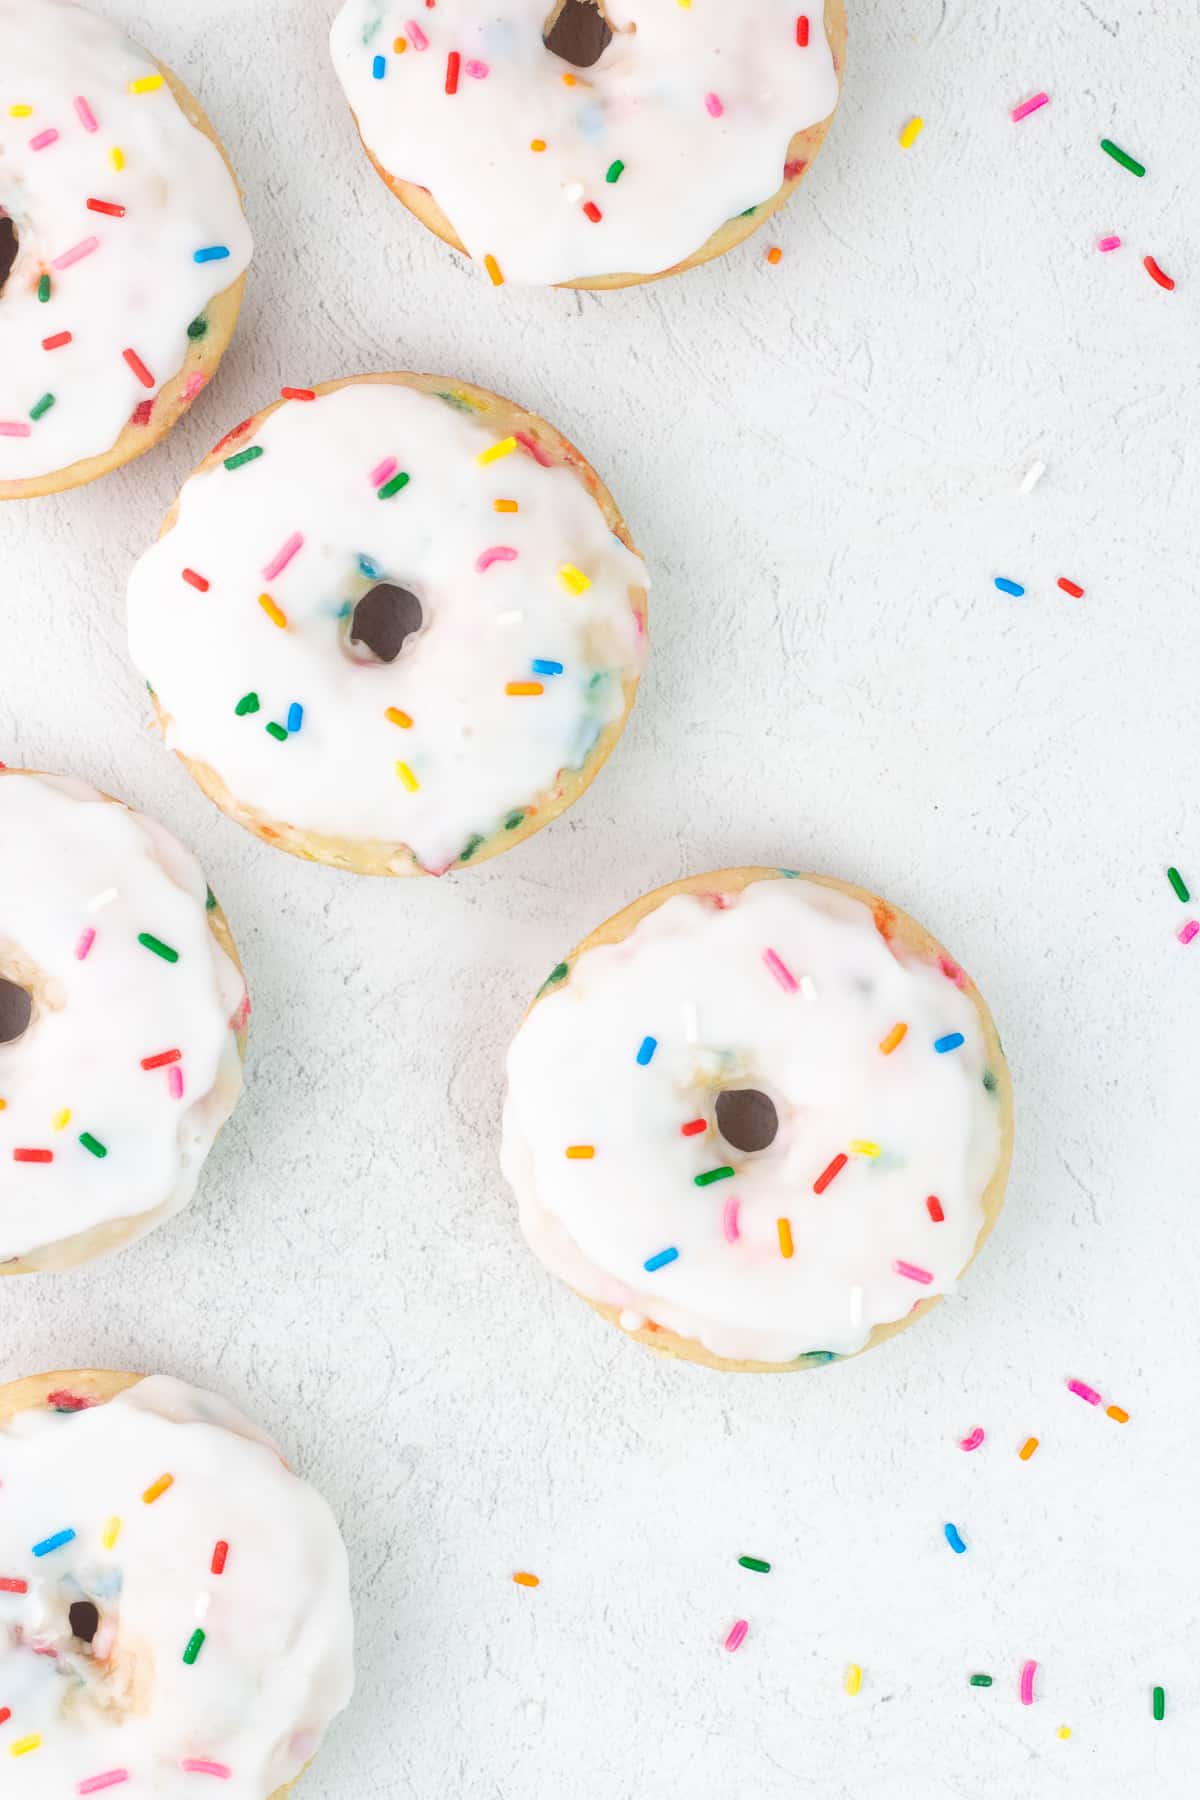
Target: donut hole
[(577, 31), (85, 1620), (10, 243), (16, 1010), (747, 1119), (383, 621)]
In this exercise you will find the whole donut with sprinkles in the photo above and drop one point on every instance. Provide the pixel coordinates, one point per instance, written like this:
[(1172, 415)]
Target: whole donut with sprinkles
[(121, 1008), (123, 248), (591, 143), (393, 624), (174, 1602), (760, 1120)]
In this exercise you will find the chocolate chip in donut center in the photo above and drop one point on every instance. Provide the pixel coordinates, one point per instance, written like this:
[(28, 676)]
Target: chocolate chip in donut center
[(85, 1620), (16, 1010), (578, 32), (10, 243), (747, 1118), (384, 617)]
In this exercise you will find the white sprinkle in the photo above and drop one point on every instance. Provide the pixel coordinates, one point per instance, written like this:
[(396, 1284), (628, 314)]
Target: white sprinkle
[(104, 899), (203, 1602), (509, 618), (574, 192), (1032, 476), (691, 1022), (856, 1304), (632, 1321), (808, 987)]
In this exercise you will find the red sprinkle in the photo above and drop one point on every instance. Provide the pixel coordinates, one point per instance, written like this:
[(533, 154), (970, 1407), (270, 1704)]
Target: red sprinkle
[(1156, 274), (106, 206), (231, 436), (12, 1584), (802, 31), (162, 1059), (934, 1207), (693, 1126), (139, 368), (453, 62), (5, 1715), (57, 341), (534, 448), (1069, 587), (141, 412), (296, 394), (63, 1400), (826, 1176), (593, 211), (200, 582), (33, 1156), (219, 1554)]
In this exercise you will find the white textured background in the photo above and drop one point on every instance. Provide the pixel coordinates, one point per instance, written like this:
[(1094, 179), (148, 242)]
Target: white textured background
[(821, 462)]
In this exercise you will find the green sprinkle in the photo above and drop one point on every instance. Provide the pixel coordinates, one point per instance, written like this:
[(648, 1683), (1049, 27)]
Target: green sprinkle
[(711, 1175), (193, 1647), (749, 213), (43, 406), (981, 1681), (1160, 1703), (558, 973), (158, 947), (989, 1081), (247, 704), (753, 1562), (92, 1144), (198, 327), (44, 288), (1119, 156), (279, 732), (243, 456), (1179, 884), (472, 846), (816, 1359), (460, 402), (210, 901), (615, 170), (513, 820), (393, 486)]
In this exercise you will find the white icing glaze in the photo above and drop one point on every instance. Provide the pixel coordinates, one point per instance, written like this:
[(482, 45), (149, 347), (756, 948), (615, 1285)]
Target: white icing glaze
[(275, 1666), (476, 752), (75, 863), (141, 287), (574, 1079), (644, 103)]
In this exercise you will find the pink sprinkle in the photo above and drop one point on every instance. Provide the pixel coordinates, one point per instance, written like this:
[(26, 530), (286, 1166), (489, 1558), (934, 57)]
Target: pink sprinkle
[(1027, 1675), (85, 943), (1187, 932), (15, 428), (283, 557), (175, 1082), (113, 1777), (87, 119), (497, 553), (1109, 243), (1085, 1392), (729, 1220), (737, 1636), (713, 103), (77, 254), (384, 471), (43, 139), (973, 1441), (195, 1765), (193, 384), (478, 71), (781, 972), (1029, 106), (913, 1273), (416, 36), (952, 972)]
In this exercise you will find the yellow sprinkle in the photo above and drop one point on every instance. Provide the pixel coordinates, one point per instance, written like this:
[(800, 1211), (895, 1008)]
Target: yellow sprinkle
[(493, 269), (574, 578), (524, 1579), (407, 777), (494, 452), (1064, 1732), (398, 718), (117, 157), (3, 1104), (272, 611), (23, 1746), (686, 5), (145, 84), (911, 133), (853, 1678), (774, 254), (524, 687), (1027, 1449), (862, 1147), (784, 1227), (1114, 1412), (20, 112), (158, 1488), (581, 1152), (505, 506), (537, 143), (62, 1119), (400, 46), (894, 1039), (112, 1532)]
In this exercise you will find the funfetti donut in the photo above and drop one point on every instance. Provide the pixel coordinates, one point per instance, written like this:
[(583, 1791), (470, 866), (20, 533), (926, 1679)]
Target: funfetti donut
[(760, 1121), (393, 624), (174, 1602), (591, 143), (123, 248), (122, 1012)]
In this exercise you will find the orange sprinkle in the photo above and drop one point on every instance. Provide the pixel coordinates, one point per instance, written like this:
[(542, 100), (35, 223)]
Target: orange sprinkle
[(158, 1488), (272, 611), (3, 1104), (400, 46), (524, 1579), (1118, 1413), (524, 687), (493, 269), (784, 1227), (581, 1152), (774, 254), (1027, 1449), (398, 718), (894, 1039), (505, 506), (570, 81), (537, 143)]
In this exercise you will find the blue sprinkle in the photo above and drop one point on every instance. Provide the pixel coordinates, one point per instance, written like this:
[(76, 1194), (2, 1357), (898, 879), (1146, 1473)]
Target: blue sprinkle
[(53, 1543), (953, 1539), (214, 253), (1009, 587), (669, 1256), (646, 1050), (295, 716), (541, 667), (950, 1042), (368, 568), (379, 67)]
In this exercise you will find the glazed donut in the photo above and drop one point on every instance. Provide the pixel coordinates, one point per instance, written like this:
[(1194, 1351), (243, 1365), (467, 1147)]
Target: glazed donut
[(760, 1122), (174, 1602), (591, 143), (122, 1005), (122, 248), (394, 624)]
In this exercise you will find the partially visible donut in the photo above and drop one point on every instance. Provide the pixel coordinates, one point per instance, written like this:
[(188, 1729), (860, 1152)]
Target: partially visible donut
[(122, 1013), (591, 143), (174, 1602), (123, 248), (395, 624), (761, 1122)]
